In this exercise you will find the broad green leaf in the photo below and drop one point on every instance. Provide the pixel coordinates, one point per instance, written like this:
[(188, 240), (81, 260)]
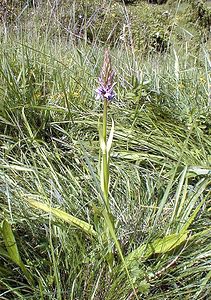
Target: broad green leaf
[(159, 246), (168, 243), (10, 243), (86, 227), (12, 250)]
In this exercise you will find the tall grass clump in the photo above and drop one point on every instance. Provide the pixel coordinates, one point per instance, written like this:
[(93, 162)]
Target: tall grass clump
[(103, 198)]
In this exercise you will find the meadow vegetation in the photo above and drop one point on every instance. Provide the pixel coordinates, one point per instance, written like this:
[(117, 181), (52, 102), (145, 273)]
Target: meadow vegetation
[(58, 237)]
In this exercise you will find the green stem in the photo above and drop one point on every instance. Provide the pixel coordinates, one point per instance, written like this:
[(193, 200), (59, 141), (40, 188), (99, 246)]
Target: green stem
[(105, 184), (105, 156), (105, 113)]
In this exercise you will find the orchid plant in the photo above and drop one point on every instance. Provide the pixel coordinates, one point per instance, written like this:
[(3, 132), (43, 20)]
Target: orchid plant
[(105, 92)]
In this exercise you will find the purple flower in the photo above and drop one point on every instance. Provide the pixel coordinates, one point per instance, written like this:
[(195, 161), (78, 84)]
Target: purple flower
[(105, 90)]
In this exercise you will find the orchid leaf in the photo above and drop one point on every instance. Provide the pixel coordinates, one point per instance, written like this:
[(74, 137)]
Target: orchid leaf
[(12, 250), (158, 246), (86, 227), (10, 243)]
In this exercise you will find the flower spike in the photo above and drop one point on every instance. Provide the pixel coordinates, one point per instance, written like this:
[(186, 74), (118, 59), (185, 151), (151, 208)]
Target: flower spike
[(105, 90)]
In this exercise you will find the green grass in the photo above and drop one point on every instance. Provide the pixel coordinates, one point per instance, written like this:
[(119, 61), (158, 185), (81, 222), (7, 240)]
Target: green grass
[(159, 171)]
